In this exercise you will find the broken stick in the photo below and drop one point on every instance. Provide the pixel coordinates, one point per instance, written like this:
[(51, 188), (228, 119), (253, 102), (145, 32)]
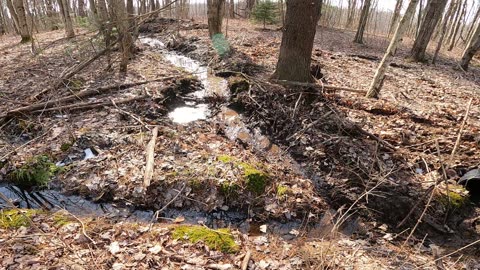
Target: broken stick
[(150, 151), (321, 86)]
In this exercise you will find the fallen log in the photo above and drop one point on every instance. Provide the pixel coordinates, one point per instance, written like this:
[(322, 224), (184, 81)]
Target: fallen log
[(150, 160), (82, 94), (91, 105), (319, 86)]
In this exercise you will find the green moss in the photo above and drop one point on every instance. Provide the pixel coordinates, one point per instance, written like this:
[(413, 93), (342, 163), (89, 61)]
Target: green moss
[(65, 147), (453, 199), (255, 179), (229, 189), (61, 220), (14, 219), (282, 191), (221, 239), (36, 172), (225, 158)]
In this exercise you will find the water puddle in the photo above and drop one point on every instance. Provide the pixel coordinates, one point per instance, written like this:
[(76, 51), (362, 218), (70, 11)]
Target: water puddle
[(211, 85), (53, 200)]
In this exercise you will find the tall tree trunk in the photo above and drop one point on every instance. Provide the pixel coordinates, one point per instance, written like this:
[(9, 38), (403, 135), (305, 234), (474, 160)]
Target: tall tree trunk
[(215, 10), (433, 13), (472, 48), (475, 19), (21, 15), (379, 77), (14, 16), (65, 11), (93, 8), (443, 30), (81, 8), (458, 23), (231, 9), (125, 36), (352, 6), (297, 41), (363, 22), (249, 7), (419, 19), (396, 16)]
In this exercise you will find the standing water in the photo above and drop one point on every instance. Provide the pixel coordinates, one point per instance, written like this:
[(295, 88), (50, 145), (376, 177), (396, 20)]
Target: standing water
[(211, 85)]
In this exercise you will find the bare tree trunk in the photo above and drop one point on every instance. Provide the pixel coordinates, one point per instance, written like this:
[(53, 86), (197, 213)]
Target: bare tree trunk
[(395, 17), (352, 6), (125, 37), (215, 10), (443, 30), (93, 8), (19, 10), (231, 9), (475, 19), (379, 77), (457, 25), (433, 13), (363, 22), (297, 41), (249, 7), (419, 19), (472, 48), (64, 10), (81, 8)]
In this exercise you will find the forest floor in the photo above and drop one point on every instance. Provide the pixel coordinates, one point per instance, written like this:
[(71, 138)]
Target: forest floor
[(304, 178)]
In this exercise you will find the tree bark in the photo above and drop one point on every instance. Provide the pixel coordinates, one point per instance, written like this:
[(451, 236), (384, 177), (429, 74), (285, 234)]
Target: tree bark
[(81, 8), (249, 7), (443, 30), (65, 11), (231, 9), (472, 48), (297, 41), (352, 6), (22, 24), (125, 36), (396, 16), (363, 22), (215, 11), (433, 13), (458, 23), (475, 19), (379, 77)]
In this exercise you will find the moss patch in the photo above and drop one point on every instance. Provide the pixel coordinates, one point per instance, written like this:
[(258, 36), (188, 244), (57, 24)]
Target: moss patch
[(36, 172), (14, 219), (282, 191), (61, 220), (255, 179), (221, 239), (453, 199)]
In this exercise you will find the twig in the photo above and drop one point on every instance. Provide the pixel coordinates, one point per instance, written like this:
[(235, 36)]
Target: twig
[(155, 216), (424, 209), (461, 128), (150, 151), (322, 86), (84, 232), (245, 261)]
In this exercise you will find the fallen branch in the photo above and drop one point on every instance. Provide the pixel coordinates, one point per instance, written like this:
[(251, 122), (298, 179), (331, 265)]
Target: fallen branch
[(320, 86), (150, 151), (70, 72), (81, 94), (457, 142), (91, 105), (245, 261)]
